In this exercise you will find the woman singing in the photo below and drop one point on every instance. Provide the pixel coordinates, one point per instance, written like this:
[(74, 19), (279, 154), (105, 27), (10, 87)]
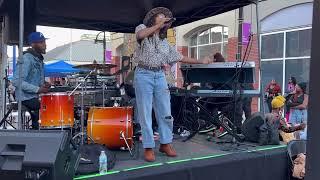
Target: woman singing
[(151, 89)]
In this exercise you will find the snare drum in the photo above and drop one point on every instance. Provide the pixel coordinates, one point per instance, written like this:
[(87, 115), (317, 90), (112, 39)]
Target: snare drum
[(110, 125), (56, 110)]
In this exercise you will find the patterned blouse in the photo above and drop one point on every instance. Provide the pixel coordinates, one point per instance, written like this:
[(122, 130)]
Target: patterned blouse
[(154, 52)]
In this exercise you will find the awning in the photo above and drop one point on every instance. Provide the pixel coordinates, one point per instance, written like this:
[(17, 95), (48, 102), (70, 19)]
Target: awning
[(59, 69), (114, 15)]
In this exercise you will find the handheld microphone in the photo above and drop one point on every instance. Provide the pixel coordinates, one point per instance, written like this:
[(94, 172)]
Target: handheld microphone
[(171, 21)]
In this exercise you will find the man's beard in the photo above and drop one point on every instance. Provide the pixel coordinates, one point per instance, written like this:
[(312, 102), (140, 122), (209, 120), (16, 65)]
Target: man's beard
[(40, 51)]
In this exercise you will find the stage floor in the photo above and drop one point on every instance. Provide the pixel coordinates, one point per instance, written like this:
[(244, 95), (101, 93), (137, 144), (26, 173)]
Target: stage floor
[(196, 149)]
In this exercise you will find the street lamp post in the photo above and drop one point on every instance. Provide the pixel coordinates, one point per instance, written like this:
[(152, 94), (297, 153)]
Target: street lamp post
[(104, 44)]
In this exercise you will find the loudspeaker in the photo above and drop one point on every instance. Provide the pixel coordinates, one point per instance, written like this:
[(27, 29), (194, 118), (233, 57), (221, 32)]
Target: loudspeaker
[(250, 127), (45, 155)]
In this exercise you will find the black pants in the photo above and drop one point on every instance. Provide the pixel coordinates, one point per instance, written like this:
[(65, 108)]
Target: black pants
[(269, 104), (234, 113), (226, 106), (33, 106)]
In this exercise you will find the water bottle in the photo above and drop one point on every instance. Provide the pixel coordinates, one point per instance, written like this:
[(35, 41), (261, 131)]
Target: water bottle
[(103, 163)]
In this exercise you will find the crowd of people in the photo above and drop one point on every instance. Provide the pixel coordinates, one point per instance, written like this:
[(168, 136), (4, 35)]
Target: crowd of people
[(296, 103)]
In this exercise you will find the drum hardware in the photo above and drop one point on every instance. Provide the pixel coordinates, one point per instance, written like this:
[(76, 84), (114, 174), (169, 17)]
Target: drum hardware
[(95, 66), (61, 116), (125, 140), (82, 133), (103, 87), (116, 101)]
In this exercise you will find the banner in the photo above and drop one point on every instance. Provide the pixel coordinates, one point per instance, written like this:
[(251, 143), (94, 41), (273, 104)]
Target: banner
[(108, 55), (246, 31)]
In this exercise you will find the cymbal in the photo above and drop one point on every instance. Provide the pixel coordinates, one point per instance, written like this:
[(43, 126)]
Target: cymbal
[(82, 74), (95, 66)]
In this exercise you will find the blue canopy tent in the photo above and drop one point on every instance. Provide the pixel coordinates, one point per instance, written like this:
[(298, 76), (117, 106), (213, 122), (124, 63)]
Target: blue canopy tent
[(59, 69)]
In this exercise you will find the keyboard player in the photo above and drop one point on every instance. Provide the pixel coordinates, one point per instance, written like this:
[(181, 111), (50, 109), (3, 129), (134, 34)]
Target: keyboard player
[(224, 104)]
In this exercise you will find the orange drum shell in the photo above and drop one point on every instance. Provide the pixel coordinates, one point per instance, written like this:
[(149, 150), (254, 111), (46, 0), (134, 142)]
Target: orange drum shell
[(106, 123), (56, 107)]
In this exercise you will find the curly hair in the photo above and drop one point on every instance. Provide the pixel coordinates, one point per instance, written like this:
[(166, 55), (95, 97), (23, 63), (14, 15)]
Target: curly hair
[(218, 57), (152, 22)]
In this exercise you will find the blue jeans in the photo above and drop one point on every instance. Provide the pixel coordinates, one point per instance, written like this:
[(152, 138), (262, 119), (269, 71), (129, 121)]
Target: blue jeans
[(152, 91), (298, 116)]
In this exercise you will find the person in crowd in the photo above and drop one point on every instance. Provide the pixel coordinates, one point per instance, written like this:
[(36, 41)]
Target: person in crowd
[(218, 57), (11, 92), (298, 104), (225, 105), (291, 85), (152, 53), (63, 81), (273, 89), (32, 76), (290, 90), (276, 122)]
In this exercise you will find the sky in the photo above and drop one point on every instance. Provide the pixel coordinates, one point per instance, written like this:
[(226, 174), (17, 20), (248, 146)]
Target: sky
[(58, 36)]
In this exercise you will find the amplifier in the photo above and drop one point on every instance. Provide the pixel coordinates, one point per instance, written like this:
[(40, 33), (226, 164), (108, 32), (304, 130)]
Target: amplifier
[(37, 155)]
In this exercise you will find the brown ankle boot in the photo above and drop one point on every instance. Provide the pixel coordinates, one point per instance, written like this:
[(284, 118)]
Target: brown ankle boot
[(168, 150), (149, 155)]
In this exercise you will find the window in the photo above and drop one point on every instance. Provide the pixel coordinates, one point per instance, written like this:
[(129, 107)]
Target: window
[(193, 40), (271, 70), (204, 51), (272, 46), (298, 43), (204, 37), (216, 34), (193, 52), (285, 54), (208, 42), (298, 68)]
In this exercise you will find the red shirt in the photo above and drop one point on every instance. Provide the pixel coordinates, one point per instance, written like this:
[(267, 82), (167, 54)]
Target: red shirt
[(276, 90)]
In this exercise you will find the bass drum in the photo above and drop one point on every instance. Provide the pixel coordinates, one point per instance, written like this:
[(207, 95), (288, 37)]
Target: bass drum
[(109, 126)]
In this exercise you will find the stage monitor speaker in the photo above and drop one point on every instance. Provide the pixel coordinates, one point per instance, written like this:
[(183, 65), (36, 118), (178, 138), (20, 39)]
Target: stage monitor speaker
[(45, 155), (250, 127)]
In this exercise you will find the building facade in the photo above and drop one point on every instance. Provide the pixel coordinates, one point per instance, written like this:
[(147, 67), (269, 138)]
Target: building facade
[(285, 39)]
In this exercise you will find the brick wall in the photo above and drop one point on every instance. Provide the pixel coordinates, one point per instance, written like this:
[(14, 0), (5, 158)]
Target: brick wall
[(252, 56), (184, 51)]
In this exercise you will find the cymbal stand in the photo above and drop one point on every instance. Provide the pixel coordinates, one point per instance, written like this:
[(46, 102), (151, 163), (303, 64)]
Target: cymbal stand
[(82, 133), (103, 89)]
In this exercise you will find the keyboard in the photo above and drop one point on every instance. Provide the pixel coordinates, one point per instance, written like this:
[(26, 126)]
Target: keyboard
[(215, 93)]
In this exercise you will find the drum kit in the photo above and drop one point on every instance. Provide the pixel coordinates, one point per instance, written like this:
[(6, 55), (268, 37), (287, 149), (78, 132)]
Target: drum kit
[(91, 108)]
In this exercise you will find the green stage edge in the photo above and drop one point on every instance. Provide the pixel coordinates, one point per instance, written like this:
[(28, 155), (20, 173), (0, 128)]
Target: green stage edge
[(179, 161)]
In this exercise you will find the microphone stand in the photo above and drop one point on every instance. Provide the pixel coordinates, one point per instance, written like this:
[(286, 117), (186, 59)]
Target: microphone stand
[(4, 120)]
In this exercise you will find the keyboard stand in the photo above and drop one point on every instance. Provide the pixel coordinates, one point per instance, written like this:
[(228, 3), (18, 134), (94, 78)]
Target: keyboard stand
[(214, 119)]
